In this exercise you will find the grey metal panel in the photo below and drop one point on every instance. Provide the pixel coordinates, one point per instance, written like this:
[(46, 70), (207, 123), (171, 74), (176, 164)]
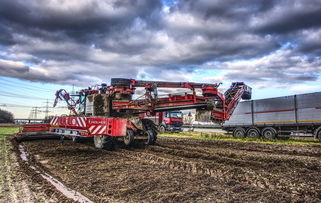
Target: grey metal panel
[(275, 117), (274, 104), (311, 100), (274, 110), (309, 115), (309, 108), (241, 115)]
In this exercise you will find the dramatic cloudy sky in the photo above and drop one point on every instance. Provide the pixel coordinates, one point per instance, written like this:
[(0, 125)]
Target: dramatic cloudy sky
[(273, 45)]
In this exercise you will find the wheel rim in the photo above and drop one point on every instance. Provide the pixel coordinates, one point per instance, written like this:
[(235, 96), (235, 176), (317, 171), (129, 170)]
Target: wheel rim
[(239, 134), (98, 140), (268, 134), (253, 134), (128, 139), (149, 137)]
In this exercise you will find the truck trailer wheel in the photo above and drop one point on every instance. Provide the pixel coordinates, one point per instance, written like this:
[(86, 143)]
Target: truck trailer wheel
[(319, 135), (269, 133), (103, 142), (253, 133), (239, 133), (162, 129), (129, 138), (151, 137)]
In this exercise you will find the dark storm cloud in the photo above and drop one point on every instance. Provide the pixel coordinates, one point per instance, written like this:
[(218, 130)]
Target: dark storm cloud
[(288, 16), (88, 41), (75, 16), (5, 36)]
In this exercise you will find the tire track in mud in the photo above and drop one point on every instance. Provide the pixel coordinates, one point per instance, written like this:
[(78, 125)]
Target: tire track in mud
[(251, 159), (258, 173), (200, 167), (279, 149), (59, 186), (227, 179)]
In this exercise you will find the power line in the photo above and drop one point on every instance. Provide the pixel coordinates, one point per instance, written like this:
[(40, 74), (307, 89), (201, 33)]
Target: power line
[(31, 84), (27, 106), (24, 84), (8, 94), (23, 87)]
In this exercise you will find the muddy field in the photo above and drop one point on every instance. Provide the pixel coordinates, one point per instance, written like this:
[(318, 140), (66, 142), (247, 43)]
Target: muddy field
[(181, 170)]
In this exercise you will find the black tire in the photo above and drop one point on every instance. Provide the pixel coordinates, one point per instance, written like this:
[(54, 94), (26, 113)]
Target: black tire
[(75, 139), (151, 137), (120, 82), (319, 135), (162, 129), (129, 138), (149, 125), (253, 133), (269, 133), (103, 142), (239, 133), (150, 128)]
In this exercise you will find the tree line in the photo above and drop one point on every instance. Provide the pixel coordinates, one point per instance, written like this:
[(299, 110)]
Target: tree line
[(6, 116)]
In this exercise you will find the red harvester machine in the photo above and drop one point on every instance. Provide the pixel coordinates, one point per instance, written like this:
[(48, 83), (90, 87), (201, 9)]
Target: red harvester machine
[(110, 112)]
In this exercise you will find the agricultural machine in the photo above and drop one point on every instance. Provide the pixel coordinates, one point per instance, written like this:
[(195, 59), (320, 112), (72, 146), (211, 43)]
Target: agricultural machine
[(109, 113)]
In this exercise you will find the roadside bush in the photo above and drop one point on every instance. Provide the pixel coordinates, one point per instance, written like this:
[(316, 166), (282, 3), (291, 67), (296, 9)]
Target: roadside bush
[(6, 116)]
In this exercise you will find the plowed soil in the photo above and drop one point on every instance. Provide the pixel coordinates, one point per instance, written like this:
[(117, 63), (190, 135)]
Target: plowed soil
[(184, 170)]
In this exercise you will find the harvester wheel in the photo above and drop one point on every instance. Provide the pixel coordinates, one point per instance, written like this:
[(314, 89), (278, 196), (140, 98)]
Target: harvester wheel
[(75, 139), (269, 133), (151, 137), (129, 138), (239, 133), (162, 129), (253, 133), (103, 142)]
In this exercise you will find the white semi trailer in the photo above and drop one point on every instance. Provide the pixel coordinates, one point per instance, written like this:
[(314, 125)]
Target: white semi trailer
[(277, 117)]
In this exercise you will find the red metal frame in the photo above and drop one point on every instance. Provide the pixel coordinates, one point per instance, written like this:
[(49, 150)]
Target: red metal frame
[(187, 101)]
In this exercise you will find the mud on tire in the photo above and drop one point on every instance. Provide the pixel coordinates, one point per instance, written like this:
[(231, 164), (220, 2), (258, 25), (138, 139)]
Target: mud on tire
[(129, 138), (319, 135), (151, 137), (269, 133), (162, 129), (103, 142), (150, 127), (239, 133), (253, 133)]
